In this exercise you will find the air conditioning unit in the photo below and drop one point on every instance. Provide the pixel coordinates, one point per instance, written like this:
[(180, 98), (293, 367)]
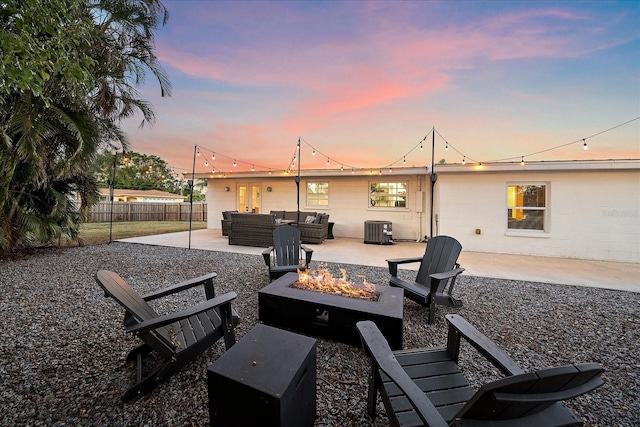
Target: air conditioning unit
[(379, 232)]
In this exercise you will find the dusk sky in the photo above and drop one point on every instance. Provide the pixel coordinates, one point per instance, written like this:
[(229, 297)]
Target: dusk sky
[(363, 82)]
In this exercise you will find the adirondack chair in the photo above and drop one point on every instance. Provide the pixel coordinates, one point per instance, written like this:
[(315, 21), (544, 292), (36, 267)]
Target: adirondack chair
[(177, 338), (285, 254), (438, 267), (426, 387)]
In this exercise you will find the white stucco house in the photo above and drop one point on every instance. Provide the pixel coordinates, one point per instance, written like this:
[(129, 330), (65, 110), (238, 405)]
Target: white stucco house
[(569, 209)]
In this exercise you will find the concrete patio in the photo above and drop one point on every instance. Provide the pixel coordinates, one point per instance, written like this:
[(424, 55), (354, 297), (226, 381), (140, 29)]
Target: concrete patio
[(601, 274)]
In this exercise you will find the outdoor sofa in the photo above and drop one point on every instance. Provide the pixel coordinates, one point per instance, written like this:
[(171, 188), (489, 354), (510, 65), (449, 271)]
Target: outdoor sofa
[(313, 226)]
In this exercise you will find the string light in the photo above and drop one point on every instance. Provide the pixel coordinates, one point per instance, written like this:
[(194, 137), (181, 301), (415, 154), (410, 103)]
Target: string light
[(206, 163), (253, 168), (421, 144)]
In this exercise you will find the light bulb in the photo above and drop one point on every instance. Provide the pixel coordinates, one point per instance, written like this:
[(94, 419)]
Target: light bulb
[(198, 151), (522, 161), (585, 146), (253, 168), (446, 147), (313, 152), (404, 160), (235, 164), (341, 167), (206, 163), (327, 161), (213, 156), (463, 160), (421, 146)]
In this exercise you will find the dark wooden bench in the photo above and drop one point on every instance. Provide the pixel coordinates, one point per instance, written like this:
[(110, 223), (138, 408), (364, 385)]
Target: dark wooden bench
[(426, 387)]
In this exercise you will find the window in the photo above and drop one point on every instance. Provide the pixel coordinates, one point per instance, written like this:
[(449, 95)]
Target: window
[(526, 206), (388, 195), (318, 194)]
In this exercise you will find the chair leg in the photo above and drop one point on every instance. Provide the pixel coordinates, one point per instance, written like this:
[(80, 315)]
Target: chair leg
[(374, 383), (432, 310), (146, 384)]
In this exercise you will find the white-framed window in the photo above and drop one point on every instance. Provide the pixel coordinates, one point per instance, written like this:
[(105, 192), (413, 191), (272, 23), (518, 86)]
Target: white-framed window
[(527, 206), (317, 194), (388, 194)]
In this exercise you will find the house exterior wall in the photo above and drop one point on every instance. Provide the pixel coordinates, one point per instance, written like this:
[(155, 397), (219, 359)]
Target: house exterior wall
[(593, 208), (348, 202), (591, 214)]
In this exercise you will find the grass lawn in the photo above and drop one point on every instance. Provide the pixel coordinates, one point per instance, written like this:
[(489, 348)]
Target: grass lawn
[(95, 233)]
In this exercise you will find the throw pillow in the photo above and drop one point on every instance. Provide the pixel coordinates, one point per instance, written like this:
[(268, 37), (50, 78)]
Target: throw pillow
[(310, 219)]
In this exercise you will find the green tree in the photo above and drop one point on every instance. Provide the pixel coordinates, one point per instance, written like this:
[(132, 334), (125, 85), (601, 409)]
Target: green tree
[(136, 171), (69, 71)]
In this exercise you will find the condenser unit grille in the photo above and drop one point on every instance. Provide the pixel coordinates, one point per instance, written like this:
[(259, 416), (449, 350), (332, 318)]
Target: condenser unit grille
[(379, 232)]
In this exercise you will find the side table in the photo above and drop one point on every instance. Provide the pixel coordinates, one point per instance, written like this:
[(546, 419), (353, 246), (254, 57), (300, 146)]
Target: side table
[(268, 378)]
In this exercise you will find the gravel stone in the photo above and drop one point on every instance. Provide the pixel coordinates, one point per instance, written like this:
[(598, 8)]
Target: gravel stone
[(63, 346)]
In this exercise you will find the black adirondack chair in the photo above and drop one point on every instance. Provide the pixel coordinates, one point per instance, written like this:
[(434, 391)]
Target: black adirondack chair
[(426, 387), (177, 338), (286, 253), (438, 267)]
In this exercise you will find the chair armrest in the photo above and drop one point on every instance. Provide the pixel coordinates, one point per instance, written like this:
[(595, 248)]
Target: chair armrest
[(205, 280), (381, 353), (447, 274), (393, 264), (182, 314), (308, 252), (489, 349), (266, 254)]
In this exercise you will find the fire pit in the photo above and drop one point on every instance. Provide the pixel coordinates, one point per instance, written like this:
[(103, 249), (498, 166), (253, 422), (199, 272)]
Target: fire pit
[(329, 315)]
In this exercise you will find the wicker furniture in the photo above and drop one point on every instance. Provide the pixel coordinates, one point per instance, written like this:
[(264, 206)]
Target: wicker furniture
[(251, 229), (226, 222), (313, 232)]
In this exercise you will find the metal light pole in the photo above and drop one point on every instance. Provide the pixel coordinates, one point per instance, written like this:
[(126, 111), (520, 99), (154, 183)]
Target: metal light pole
[(112, 185), (191, 183), (298, 182), (434, 177)]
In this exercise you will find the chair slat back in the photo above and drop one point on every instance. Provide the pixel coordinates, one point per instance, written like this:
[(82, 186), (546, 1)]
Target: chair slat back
[(137, 309), (286, 245), (440, 255), (526, 394)]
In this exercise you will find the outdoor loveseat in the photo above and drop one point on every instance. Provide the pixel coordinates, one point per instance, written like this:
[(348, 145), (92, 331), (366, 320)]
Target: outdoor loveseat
[(251, 229)]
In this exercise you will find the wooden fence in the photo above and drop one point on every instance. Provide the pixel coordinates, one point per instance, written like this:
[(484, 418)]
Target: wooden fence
[(138, 211)]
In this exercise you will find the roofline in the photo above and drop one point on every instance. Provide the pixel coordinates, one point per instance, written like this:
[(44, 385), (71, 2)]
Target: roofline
[(554, 165)]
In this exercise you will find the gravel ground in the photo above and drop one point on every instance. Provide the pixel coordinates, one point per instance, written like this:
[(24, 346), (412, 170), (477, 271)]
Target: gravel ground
[(63, 344)]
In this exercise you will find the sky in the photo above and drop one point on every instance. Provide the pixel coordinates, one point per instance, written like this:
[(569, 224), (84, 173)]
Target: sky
[(363, 83)]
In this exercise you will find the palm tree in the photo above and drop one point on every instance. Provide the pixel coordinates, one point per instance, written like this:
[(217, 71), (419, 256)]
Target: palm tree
[(49, 136)]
